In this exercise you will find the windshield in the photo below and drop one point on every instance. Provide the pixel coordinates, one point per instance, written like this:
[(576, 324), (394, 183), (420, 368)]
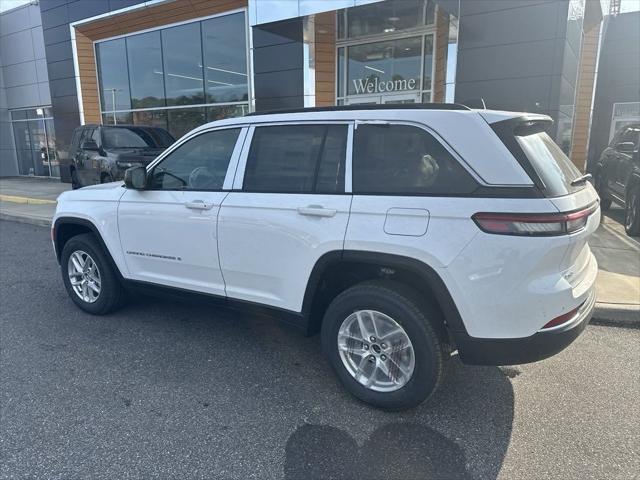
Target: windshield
[(550, 163), (136, 137)]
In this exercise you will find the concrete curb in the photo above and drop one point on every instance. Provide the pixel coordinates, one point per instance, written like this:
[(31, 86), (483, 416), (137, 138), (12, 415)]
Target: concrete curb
[(26, 200), (617, 315), (38, 220)]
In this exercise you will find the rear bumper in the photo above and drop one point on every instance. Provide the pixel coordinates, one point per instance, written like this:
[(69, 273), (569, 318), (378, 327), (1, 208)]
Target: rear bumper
[(510, 351)]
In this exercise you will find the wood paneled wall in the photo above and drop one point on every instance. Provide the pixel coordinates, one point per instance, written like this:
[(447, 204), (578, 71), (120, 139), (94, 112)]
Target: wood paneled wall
[(442, 44), (325, 49), (130, 22)]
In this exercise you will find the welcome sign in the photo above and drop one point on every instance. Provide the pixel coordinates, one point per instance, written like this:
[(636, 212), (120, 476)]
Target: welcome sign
[(375, 85)]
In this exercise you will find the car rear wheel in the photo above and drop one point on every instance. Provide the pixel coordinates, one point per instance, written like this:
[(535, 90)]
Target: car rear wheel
[(89, 277), (632, 212), (381, 341), (605, 201)]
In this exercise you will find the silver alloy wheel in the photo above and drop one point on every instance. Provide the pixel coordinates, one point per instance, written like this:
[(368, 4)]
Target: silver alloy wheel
[(84, 276), (376, 351)]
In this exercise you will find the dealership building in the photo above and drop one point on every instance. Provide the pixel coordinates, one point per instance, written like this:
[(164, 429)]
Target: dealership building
[(180, 63)]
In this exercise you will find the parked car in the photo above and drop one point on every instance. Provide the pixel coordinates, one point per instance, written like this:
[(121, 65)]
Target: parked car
[(102, 153), (403, 235), (617, 175)]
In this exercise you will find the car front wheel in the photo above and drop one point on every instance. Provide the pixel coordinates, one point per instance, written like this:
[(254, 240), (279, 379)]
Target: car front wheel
[(632, 212), (89, 277), (381, 341)]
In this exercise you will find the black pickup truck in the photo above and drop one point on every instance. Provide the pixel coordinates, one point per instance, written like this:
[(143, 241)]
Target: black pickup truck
[(101, 153)]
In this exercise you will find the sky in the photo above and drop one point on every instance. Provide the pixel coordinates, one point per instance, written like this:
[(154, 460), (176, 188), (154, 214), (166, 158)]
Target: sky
[(626, 5)]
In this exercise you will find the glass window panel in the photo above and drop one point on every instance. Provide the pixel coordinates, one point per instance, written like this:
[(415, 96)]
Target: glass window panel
[(428, 62), (121, 118), (145, 70), (330, 177), (153, 118), (182, 51), (51, 156), (430, 13), (384, 17), (401, 159), (18, 115), (284, 158), (381, 67), (39, 147), (341, 24), (225, 58), (226, 111), (182, 121), (199, 164), (111, 58), (341, 72)]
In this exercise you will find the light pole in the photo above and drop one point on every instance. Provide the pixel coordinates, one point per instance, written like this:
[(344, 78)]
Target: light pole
[(113, 102)]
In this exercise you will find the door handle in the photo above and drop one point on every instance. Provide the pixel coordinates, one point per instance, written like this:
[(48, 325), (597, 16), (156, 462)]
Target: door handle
[(199, 205), (317, 211)]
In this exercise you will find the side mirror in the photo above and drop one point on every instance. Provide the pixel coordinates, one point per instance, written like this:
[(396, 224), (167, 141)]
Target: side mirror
[(625, 147), (135, 178), (89, 145)]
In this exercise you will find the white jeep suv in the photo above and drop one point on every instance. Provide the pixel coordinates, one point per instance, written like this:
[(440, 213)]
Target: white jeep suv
[(402, 234)]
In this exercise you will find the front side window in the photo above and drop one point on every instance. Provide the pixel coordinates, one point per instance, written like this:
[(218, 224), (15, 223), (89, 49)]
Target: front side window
[(405, 160), (297, 159), (127, 137), (198, 164)]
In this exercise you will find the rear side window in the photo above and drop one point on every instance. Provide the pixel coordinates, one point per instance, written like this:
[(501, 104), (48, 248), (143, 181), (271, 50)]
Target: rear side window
[(553, 167), (405, 160), (297, 159)]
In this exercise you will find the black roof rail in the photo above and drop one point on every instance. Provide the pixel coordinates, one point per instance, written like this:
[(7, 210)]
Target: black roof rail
[(387, 106)]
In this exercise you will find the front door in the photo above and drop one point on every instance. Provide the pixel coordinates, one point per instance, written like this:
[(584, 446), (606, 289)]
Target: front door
[(289, 210), (168, 231)]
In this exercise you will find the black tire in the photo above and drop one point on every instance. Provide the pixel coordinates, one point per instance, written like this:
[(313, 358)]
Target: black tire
[(605, 201), (112, 295), (632, 212), (106, 178), (417, 318), (75, 182)]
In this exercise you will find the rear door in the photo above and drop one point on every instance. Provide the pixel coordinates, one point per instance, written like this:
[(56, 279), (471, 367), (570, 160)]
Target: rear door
[(288, 208), (168, 232)]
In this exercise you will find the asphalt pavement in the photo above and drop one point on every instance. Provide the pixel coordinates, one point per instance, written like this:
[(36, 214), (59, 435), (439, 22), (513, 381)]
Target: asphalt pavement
[(175, 390)]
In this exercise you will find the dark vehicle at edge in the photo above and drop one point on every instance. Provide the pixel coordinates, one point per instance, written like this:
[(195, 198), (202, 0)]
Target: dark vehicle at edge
[(102, 153), (617, 175)]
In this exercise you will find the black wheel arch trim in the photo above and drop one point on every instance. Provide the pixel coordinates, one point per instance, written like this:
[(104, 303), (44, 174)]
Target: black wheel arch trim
[(61, 221), (432, 279)]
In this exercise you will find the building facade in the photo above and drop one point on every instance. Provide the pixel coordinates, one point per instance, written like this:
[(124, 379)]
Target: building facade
[(181, 63)]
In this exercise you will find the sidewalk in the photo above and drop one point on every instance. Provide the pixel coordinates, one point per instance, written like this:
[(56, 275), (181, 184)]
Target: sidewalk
[(32, 200)]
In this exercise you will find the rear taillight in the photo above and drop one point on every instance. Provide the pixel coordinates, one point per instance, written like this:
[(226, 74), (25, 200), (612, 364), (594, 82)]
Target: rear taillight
[(534, 224)]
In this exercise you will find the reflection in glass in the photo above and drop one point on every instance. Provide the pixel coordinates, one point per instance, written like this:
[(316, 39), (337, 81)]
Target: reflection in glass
[(226, 111), (23, 148), (384, 17), (145, 70), (153, 118), (341, 72), (111, 59), (183, 120), (225, 58), (183, 64), (383, 67), (120, 118), (50, 153)]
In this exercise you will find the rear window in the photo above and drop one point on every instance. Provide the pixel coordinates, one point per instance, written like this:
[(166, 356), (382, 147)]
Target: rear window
[(405, 160), (550, 163), (135, 137)]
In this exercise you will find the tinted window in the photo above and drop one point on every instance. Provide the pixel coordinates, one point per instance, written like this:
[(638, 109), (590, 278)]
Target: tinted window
[(550, 163), (128, 137), (303, 158), (632, 135), (199, 164), (111, 58), (145, 70), (182, 53), (225, 58), (402, 159)]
